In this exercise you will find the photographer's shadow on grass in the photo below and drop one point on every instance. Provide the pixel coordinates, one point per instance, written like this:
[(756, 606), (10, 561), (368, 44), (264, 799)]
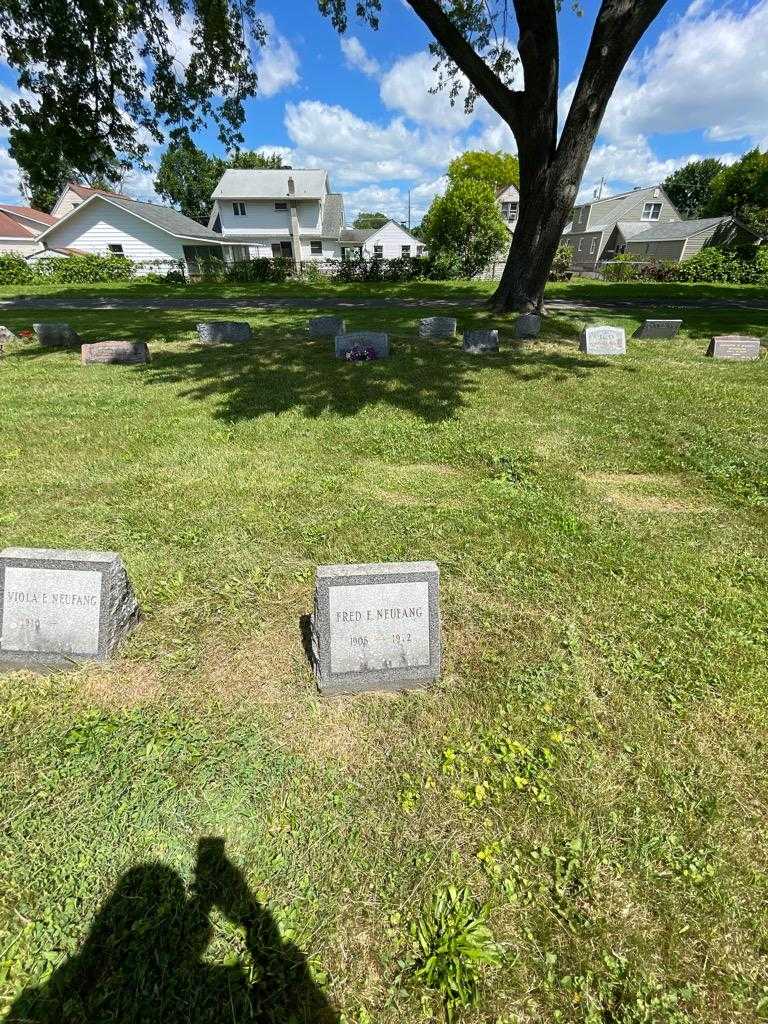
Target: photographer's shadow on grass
[(142, 962)]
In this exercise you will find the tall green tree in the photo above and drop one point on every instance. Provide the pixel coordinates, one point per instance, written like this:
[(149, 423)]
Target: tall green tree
[(366, 220), (474, 41), (742, 189), (499, 170), (250, 160), (464, 227), (689, 186), (99, 80)]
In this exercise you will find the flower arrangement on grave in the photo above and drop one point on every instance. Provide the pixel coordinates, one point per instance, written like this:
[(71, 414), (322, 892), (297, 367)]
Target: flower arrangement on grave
[(360, 354), (25, 333)]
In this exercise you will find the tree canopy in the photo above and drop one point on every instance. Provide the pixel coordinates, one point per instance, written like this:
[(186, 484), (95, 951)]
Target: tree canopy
[(689, 186), (499, 170), (464, 227), (98, 82), (742, 189), (366, 219)]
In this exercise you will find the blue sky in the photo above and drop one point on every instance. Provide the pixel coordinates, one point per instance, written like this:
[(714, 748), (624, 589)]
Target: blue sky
[(361, 106)]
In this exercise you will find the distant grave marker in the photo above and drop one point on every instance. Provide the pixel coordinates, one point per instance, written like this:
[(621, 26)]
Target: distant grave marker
[(741, 347), (603, 341), (478, 343), (62, 607), (658, 328), (437, 327), (376, 627), (121, 352), (216, 332), (527, 326), (376, 340), (56, 334), (326, 326)]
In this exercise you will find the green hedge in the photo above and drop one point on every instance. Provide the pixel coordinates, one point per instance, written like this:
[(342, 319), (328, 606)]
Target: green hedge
[(711, 265), (65, 269)]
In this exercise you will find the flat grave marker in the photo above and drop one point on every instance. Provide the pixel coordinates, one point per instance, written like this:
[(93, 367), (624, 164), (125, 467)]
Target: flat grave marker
[(58, 608), (376, 627), (120, 352), (326, 326), (658, 328), (376, 340), (437, 327), (603, 341), (55, 334), (527, 326), (217, 332), (479, 343), (739, 347)]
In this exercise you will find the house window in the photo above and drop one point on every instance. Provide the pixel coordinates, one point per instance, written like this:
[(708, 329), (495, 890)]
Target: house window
[(282, 249), (419, 250), (316, 248), (238, 209), (509, 211), (581, 242), (281, 206), (116, 250), (378, 252), (405, 250), (651, 211), (592, 247)]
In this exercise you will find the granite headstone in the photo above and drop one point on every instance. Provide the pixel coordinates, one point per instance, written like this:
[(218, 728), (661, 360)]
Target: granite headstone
[(376, 627), (216, 332), (603, 341), (326, 326), (481, 342), (58, 608), (527, 326), (741, 347), (437, 327), (658, 328), (7, 335), (55, 334), (125, 352), (364, 339)]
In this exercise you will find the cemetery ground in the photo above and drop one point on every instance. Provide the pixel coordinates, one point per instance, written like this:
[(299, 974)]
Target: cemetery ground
[(591, 767)]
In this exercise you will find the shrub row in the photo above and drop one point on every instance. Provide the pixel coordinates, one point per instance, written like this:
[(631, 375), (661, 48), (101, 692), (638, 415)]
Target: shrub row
[(65, 269), (711, 265)]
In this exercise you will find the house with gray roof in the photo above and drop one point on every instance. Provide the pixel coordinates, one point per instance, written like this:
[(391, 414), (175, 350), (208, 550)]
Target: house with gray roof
[(680, 239), (293, 213)]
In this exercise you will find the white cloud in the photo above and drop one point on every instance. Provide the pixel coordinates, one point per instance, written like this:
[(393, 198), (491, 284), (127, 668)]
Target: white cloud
[(278, 63), (406, 87), (357, 57), (9, 178)]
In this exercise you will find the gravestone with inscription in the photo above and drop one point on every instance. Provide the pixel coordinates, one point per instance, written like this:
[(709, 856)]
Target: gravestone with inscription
[(741, 347), (216, 332), (55, 334), (527, 326), (376, 340), (376, 627), (58, 608), (125, 352), (479, 343), (326, 326), (658, 328), (437, 327), (603, 341)]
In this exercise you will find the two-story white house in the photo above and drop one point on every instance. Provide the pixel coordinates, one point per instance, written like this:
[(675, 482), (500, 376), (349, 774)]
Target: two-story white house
[(508, 201), (293, 213)]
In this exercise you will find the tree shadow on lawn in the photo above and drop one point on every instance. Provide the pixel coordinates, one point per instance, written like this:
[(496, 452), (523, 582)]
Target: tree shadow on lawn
[(142, 962), (432, 380)]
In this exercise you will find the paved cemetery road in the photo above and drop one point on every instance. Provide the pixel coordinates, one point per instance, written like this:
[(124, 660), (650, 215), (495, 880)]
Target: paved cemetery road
[(331, 302)]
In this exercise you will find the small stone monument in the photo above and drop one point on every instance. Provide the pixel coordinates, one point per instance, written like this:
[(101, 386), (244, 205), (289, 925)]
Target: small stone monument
[(658, 328), (125, 352), (58, 608), (7, 335), (376, 627), (216, 332), (603, 341), (326, 326), (437, 327), (363, 339), (53, 335), (527, 326), (479, 343), (741, 347)]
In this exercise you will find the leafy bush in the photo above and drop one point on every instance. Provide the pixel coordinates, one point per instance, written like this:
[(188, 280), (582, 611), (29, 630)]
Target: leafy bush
[(312, 274), (86, 269), (15, 269), (444, 266), (404, 268), (711, 265), (561, 264), (622, 267)]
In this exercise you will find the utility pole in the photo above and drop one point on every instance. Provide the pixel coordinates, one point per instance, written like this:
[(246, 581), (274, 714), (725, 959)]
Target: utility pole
[(409, 209), (598, 193)]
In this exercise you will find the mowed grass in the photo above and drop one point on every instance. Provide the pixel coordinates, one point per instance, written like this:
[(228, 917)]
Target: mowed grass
[(591, 766)]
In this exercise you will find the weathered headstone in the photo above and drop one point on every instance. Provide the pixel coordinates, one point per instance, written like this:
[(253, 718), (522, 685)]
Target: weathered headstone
[(7, 335), (437, 327), (55, 334), (126, 352), (214, 332), (527, 326), (376, 627), (326, 326), (480, 342), (603, 341), (742, 347), (363, 339), (658, 328), (62, 607)]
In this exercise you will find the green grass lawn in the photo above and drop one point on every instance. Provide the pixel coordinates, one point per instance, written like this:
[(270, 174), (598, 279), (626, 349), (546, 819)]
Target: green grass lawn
[(591, 767)]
